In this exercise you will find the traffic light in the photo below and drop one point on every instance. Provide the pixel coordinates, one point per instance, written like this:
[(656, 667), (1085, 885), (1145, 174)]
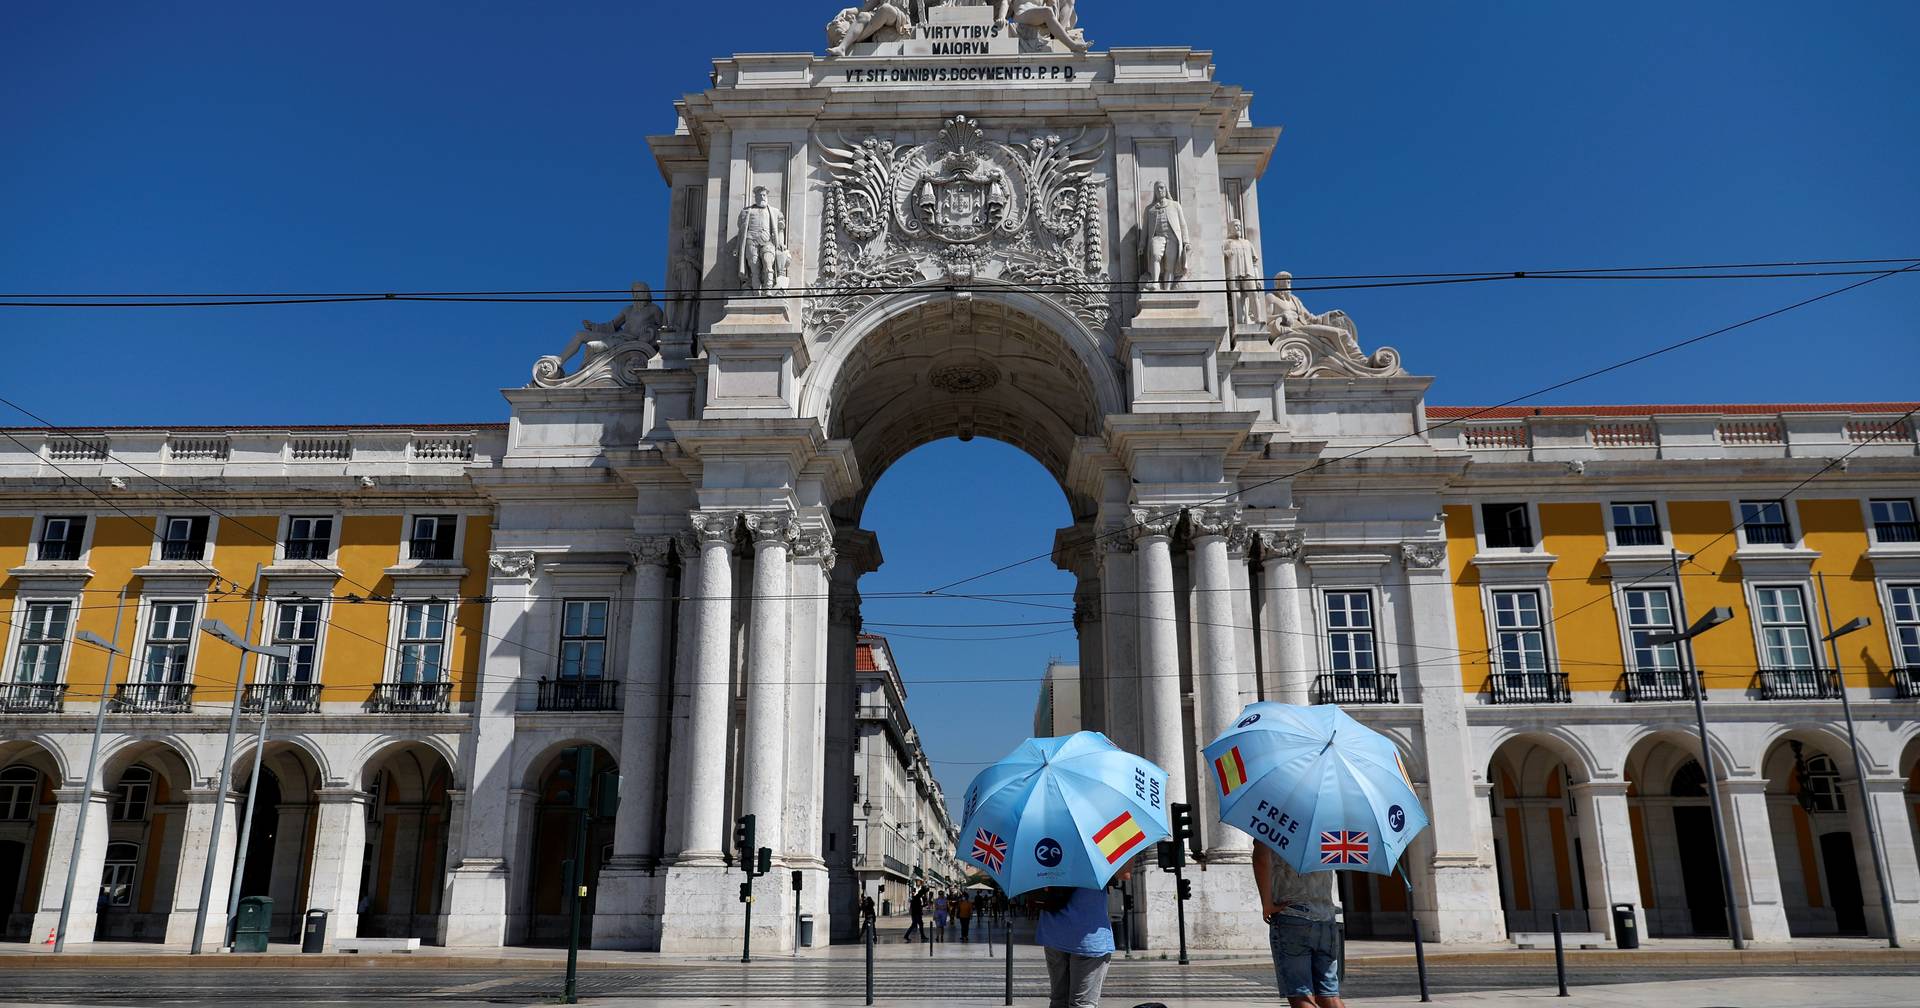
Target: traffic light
[(566, 780), (606, 794), (766, 861), (583, 777), (743, 839), (799, 880), (746, 892), (1172, 856), (1183, 831), (1186, 889)]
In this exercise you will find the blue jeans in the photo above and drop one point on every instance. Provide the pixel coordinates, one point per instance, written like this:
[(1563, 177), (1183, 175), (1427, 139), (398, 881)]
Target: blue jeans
[(1306, 956)]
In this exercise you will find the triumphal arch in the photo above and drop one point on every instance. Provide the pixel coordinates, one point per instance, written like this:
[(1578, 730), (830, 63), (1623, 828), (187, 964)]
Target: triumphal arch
[(962, 219)]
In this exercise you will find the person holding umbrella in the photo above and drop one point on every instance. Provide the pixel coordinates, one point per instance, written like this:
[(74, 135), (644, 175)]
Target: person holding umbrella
[(1322, 793), (1063, 816)]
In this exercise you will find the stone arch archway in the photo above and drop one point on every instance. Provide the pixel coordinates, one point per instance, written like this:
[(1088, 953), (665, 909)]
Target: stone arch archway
[(29, 884), (402, 887), (1814, 807), (548, 842), (149, 866)]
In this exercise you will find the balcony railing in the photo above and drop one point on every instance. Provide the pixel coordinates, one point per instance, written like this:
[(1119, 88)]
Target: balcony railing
[(32, 698), (1529, 687), (411, 698), (1906, 683), (154, 698), (1357, 688), (282, 698), (1799, 684), (1654, 685), (578, 695), (1897, 532)]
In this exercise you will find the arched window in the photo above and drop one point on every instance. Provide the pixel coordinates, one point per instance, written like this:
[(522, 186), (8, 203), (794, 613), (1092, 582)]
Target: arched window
[(18, 787), (131, 797), (116, 876), (1689, 781), (1823, 786)]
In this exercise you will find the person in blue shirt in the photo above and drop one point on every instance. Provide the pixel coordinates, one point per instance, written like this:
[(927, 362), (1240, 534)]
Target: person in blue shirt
[(1078, 937)]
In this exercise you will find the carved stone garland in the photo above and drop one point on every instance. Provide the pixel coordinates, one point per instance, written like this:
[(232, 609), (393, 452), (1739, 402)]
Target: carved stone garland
[(961, 208)]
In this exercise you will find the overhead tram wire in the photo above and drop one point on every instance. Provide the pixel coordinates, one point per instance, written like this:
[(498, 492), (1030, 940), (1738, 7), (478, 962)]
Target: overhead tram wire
[(1482, 411)]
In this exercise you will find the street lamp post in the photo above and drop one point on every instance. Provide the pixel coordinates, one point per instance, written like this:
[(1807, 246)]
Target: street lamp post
[(1684, 638), (93, 765), (1832, 640)]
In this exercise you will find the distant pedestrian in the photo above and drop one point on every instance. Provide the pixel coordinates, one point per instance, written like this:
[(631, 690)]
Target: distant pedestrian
[(963, 912), (867, 916), (917, 910), (1078, 936), (940, 916), (1299, 910)]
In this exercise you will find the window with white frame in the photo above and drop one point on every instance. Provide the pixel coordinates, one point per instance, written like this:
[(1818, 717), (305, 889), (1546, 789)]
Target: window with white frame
[(19, 788), (1786, 638), (296, 625), (1650, 613), (1893, 521), (1636, 523), (1823, 785), (169, 640), (130, 798), (583, 639), (1508, 526), (117, 874), (309, 537), (421, 654), (61, 537), (183, 538), (1352, 652), (43, 642), (431, 537), (1520, 639), (1764, 523), (1906, 624)]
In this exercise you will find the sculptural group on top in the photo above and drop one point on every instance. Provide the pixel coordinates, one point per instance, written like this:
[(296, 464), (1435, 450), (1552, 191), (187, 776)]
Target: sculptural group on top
[(885, 21)]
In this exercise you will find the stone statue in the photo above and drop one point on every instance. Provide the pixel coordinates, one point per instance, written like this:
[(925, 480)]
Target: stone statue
[(763, 245), (684, 278), (1056, 19), (1243, 277), (1289, 313), (1163, 239), (639, 322), (873, 20)]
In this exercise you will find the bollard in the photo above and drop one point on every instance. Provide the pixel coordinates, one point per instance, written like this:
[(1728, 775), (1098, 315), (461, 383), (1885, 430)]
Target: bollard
[(1419, 960), (1009, 960), (1559, 956), (870, 929)]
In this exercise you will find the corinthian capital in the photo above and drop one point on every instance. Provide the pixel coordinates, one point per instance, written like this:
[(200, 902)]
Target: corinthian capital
[(772, 528), (1213, 521), (1152, 523), (650, 551), (1423, 555), (816, 543), (1279, 544), (714, 526)]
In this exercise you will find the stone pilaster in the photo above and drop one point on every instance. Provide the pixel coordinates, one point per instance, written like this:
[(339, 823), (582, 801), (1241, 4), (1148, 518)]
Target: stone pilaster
[(627, 907), (1613, 869), (339, 845), (1756, 871), (71, 804)]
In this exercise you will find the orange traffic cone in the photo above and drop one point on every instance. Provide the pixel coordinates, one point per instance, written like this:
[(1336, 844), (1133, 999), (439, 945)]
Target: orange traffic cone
[(49, 940)]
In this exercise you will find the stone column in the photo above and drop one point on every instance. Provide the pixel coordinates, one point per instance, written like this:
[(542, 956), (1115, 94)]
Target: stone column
[(198, 842), (1290, 677), (72, 803), (1091, 635), (813, 560), (339, 844), (626, 910), (1887, 802), (765, 749), (1120, 646), (701, 773), (1163, 736), (1217, 682), (1756, 872), (1462, 903), (1606, 842)]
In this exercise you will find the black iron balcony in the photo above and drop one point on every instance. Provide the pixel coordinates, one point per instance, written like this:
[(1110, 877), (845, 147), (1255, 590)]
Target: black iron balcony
[(32, 698), (1529, 687), (1637, 535), (1768, 534), (1799, 684), (1357, 688), (411, 698), (282, 698), (1895, 532), (154, 698), (1906, 683), (578, 695), (1655, 685)]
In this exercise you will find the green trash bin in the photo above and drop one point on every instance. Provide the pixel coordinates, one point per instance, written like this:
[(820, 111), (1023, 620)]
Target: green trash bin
[(251, 925)]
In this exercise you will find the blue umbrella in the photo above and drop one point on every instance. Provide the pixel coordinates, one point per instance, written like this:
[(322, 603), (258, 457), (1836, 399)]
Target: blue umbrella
[(1320, 789), (1062, 812)]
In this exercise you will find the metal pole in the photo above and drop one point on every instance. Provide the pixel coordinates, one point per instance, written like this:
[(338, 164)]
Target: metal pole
[(1706, 760), (226, 766), (246, 825), (86, 787), (1859, 771), (1559, 955), (746, 931), (577, 896), (1419, 960), (869, 930), (1009, 949), (1180, 913)]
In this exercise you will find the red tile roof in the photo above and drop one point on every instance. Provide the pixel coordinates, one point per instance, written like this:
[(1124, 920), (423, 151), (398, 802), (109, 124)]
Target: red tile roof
[(1517, 412)]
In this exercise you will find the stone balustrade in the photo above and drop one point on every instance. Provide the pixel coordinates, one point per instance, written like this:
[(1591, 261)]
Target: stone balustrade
[(1571, 436), (131, 453)]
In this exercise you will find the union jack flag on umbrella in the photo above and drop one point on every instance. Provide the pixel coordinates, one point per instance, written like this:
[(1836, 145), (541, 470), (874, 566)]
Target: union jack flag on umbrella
[(1321, 790)]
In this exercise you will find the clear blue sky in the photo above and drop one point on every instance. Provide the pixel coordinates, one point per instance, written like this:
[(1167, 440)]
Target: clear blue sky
[(246, 147)]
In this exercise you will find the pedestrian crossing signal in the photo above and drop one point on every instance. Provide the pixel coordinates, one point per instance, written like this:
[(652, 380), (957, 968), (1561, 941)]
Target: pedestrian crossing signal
[(746, 892), (1186, 889), (766, 861), (743, 839), (1171, 855)]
